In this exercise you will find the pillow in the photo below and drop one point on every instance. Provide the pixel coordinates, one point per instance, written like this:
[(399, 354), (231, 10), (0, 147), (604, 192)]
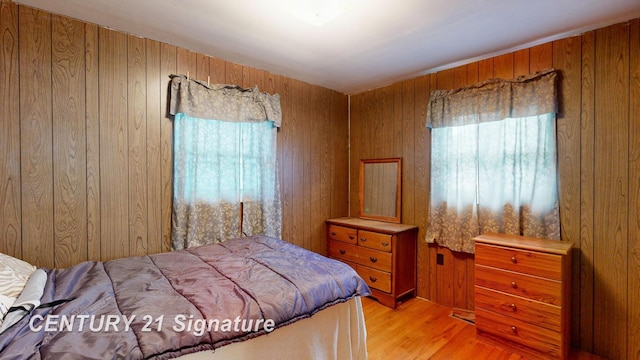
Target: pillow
[(5, 303), (14, 274)]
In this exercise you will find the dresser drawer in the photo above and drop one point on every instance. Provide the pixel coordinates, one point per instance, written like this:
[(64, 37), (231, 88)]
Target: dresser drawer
[(375, 278), (533, 312), (518, 260), (344, 234), (343, 251), (374, 240), (374, 258), (530, 287), (536, 339)]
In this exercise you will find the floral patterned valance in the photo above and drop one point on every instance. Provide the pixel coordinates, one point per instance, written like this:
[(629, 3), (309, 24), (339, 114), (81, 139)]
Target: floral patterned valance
[(494, 100), (223, 102)]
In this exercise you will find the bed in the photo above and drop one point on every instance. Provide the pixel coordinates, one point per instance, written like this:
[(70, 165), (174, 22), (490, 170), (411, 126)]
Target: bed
[(255, 297)]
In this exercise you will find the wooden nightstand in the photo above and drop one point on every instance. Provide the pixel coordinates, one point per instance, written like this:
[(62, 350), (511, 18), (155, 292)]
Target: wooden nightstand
[(522, 294), (384, 254)]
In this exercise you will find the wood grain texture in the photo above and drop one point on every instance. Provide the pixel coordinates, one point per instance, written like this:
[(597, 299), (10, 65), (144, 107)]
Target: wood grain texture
[(92, 124), (154, 83), (633, 324), (69, 141), (137, 145), (168, 66), (567, 56), (114, 149), (10, 186), (611, 193), (36, 147), (584, 323)]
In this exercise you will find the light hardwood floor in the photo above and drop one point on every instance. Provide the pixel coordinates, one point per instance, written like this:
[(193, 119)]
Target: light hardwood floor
[(421, 329)]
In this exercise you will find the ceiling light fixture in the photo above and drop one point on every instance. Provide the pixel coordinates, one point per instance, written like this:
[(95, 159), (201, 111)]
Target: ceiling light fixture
[(317, 12)]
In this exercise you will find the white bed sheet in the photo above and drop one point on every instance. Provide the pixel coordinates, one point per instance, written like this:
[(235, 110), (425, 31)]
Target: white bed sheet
[(337, 332)]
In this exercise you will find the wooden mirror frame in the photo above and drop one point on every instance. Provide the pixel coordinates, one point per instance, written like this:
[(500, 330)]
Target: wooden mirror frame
[(393, 209)]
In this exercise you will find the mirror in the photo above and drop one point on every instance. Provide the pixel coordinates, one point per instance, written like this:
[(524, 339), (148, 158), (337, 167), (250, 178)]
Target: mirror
[(380, 193)]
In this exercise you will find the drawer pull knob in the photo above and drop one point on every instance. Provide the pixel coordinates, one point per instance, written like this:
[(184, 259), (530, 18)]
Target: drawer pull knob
[(514, 329), (333, 233), (514, 260), (351, 237), (342, 251), (363, 239), (513, 307), (373, 278), (385, 244), (373, 259), (514, 285)]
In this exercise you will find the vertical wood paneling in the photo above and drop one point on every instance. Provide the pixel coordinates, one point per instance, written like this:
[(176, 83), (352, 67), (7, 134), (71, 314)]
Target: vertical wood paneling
[(154, 82), (92, 123), (521, 62), (217, 70), (137, 145), (633, 329), (541, 57), (69, 141), (114, 159), (286, 158), (587, 194), (567, 56), (422, 163), (36, 155), (503, 66), (611, 196), (168, 66), (340, 153), (10, 219)]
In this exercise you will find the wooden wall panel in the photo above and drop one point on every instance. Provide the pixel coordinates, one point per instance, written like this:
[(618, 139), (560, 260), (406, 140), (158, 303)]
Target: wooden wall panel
[(10, 187), (69, 141), (92, 124), (153, 84), (633, 304), (88, 165), (611, 194), (36, 171), (598, 156), (137, 144), (584, 323), (567, 56), (114, 149), (168, 66)]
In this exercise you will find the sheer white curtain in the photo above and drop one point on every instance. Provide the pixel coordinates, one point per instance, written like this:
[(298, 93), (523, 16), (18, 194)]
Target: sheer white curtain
[(491, 172), (225, 165)]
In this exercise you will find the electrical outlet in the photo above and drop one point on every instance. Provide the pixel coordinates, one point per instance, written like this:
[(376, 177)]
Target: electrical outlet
[(439, 259)]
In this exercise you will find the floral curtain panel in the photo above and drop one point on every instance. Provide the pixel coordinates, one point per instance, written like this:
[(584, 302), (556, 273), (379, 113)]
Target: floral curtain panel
[(493, 166), (225, 171)]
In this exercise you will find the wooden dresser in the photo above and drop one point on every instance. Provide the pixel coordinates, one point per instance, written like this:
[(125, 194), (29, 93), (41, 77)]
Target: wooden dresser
[(384, 254), (522, 294)]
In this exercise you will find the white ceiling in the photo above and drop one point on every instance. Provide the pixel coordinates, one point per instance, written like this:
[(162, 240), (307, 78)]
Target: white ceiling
[(374, 43)]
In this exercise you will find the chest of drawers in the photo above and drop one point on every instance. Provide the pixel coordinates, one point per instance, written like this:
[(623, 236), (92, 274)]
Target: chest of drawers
[(383, 254), (522, 293)]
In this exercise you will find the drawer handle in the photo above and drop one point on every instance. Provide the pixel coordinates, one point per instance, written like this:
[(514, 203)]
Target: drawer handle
[(373, 278), (363, 239), (351, 237), (514, 329), (513, 307), (385, 244), (333, 233), (514, 260), (373, 259), (342, 251), (514, 285)]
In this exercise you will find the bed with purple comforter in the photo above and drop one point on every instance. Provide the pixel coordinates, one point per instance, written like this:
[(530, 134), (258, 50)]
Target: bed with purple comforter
[(171, 304)]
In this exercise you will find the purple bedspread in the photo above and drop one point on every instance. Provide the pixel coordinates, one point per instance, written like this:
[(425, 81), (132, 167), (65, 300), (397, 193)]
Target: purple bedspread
[(158, 306)]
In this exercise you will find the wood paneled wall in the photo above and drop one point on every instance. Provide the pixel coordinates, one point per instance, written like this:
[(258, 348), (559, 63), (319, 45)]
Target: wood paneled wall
[(598, 136), (86, 142)]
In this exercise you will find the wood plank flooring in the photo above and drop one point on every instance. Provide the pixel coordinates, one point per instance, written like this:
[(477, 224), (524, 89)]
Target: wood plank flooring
[(421, 329)]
